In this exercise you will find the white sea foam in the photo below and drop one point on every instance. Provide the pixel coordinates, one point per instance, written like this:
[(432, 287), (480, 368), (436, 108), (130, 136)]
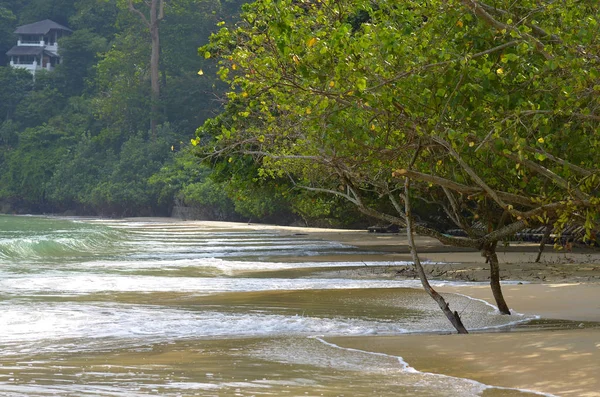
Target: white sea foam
[(55, 322), (88, 283), (77, 284)]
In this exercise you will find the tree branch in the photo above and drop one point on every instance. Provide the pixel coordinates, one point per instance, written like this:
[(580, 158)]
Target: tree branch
[(478, 10), (140, 14), (460, 188), (548, 174), (471, 173)]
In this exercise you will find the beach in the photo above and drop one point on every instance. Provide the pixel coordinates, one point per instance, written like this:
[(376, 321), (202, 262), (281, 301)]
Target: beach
[(561, 359), (164, 306)]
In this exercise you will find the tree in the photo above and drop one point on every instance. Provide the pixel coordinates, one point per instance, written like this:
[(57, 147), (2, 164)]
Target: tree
[(156, 13), (79, 53), (491, 111), (7, 27), (15, 85)]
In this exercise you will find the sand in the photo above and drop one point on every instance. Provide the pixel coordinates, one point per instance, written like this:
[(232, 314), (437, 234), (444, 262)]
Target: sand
[(564, 363), (564, 286)]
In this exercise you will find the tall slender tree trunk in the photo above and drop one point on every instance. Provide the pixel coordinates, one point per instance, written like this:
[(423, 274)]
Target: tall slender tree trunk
[(492, 258), (154, 76), (157, 8), (453, 317)]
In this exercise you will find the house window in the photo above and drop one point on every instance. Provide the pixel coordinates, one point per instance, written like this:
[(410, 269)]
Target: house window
[(25, 60), (31, 38)]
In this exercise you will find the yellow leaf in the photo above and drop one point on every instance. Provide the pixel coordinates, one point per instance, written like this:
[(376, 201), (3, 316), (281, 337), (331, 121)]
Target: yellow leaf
[(331, 84), (541, 140), (500, 71), (244, 94), (312, 42), (372, 127), (296, 59), (471, 144), (234, 66), (459, 24), (200, 72), (308, 111)]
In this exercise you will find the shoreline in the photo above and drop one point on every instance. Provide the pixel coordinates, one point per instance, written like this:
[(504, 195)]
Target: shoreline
[(565, 286)]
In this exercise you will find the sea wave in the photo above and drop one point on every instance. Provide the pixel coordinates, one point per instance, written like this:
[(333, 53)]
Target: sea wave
[(59, 245)]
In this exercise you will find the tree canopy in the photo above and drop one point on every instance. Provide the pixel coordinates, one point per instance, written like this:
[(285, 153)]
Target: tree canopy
[(499, 105), (492, 110), (76, 138)]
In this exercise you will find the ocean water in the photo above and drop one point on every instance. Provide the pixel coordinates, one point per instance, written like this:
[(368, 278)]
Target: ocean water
[(92, 307)]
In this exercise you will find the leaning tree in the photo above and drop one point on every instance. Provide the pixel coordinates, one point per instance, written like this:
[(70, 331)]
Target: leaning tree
[(490, 112)]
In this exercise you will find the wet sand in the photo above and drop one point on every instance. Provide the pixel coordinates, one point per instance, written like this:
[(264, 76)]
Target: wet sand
[(563, 363), (565, 285)]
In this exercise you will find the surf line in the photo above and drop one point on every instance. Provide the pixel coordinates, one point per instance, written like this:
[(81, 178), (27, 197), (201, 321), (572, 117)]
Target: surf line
[(407, 368), (525, 317)]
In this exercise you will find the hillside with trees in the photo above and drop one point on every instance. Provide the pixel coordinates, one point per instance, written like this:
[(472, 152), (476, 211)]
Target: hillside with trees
[(325, 110), (92, 136)]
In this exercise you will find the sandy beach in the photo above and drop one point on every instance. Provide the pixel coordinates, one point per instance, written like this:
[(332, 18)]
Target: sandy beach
[(562, 359), (564, 286)]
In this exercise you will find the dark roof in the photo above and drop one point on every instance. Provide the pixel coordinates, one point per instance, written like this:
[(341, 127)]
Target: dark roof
[(41, 27), (29, 50)]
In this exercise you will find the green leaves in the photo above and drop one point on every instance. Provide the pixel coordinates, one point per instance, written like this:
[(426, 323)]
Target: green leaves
[(348, 93)]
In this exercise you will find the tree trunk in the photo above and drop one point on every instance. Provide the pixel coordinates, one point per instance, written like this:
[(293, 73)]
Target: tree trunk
[(453, 317), (492, 258), (543, 242), (156, 15), (154, 67)]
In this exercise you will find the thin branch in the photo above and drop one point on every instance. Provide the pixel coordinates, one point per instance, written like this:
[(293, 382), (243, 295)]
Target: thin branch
[(548, 174), (460, 188), (578, 115), (471, 173), (140, 14), (329, 191), (478, 10), (443, 63), (538, 31)]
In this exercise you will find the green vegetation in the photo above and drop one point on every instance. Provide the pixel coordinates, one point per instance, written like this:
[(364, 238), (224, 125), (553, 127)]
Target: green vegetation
[(107, 132), (489, 111)]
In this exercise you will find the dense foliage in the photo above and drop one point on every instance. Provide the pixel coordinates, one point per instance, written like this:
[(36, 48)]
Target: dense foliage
[(94, 136), (492, 111)]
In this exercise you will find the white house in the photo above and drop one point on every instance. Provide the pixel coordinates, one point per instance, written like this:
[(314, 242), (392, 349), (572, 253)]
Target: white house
[(37, 46)]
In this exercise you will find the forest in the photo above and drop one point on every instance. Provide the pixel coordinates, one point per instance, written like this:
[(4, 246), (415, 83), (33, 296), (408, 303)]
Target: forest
[(309, 111), (90, 137)]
